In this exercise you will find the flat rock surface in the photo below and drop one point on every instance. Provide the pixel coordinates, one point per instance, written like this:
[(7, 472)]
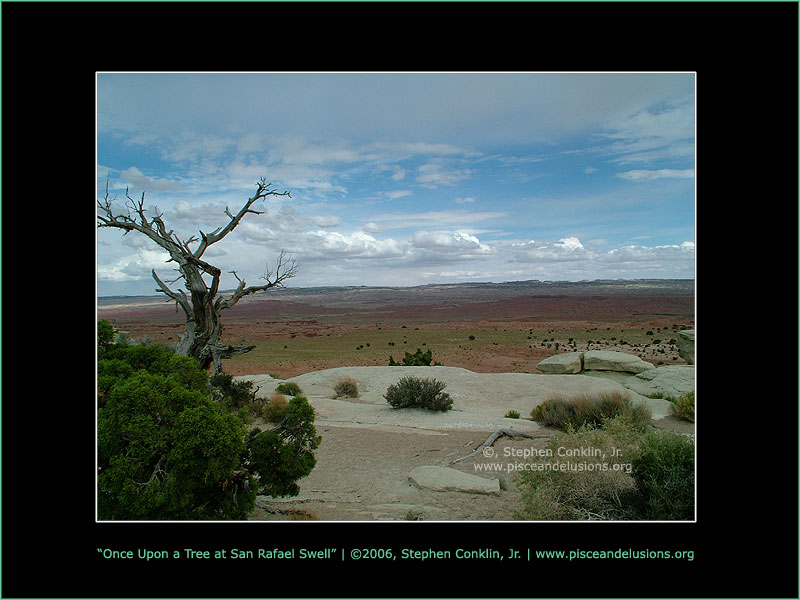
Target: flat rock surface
[(673, 380), (445, 479), (609, 360), (562, 364), (369, 449), (480, 400)]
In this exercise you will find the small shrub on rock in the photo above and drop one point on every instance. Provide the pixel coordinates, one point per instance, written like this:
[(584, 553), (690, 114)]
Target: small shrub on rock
[(275, 408), (412, 392), (346, 386), (289, 388)]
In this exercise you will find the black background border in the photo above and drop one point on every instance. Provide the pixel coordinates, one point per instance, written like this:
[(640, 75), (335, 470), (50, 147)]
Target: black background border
[(745, 57)]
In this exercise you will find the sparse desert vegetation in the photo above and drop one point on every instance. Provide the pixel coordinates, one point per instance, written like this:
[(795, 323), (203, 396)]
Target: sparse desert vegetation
[(275, 408), (414, 392), (346, 386), (571, 413), (616, 472), (514, 326), (484, 330)]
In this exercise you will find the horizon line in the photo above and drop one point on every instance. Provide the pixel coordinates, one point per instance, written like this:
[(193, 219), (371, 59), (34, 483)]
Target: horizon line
[(323, 286)]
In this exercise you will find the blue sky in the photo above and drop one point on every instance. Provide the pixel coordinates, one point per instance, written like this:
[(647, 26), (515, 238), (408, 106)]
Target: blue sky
[(405, 178)]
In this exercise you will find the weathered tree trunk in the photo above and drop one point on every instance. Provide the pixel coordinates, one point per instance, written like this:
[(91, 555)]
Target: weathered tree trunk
[(497, 435), (203, 306)]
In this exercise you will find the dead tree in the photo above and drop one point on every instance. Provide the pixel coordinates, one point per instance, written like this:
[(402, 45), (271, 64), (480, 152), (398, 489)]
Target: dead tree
[(203, 305)]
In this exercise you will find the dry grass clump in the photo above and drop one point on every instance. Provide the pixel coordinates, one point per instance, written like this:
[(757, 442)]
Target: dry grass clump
[(592, 410), (588, 476), (618, 472), (302, 514), (346, 386), (275, 408), (683, 407)]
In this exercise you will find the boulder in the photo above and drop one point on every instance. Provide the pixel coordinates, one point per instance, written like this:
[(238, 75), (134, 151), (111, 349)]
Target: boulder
[(445, 479), (608, 360), (672, 380), (562, 364), (685, 343)]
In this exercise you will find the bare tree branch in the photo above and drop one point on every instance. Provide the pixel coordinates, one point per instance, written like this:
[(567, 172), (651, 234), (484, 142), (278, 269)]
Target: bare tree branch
[(203, 327), (286, 269), (262, 191)]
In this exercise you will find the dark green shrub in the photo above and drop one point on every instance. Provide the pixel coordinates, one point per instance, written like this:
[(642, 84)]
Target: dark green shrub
[(512, 414), (418, 359), (411, 392), (591, 410), (105, 333), (233, 394), (166, 450), (346, 386), (290, 388), (664, 474), (282, 456)]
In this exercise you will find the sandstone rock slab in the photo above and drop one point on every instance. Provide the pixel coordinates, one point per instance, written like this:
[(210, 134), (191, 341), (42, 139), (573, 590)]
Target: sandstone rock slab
[(609, 360), (672, 380), (445, 479), (685, 343), (562, 364)]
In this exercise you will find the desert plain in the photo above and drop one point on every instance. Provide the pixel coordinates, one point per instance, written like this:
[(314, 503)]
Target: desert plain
[(478, 332)]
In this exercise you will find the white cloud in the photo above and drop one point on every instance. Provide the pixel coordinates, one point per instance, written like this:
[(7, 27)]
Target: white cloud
[(195, 214), (457, 275), (434, 173), (372, 228), (192, 147), (442, 218), (133, 267), (397, 194), (250, 142), (650, 135), (409, 149), (568, 258), (326, 221), (359, 244), (140, 181), (647, 175), (449, 241), (635, 253), (566, 249), (466, 200)]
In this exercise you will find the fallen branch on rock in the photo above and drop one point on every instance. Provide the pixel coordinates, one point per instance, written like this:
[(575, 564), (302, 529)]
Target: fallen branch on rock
[(500, 433)]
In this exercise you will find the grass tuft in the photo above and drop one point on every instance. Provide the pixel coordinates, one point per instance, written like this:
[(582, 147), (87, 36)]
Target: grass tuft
[(572, 413)]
